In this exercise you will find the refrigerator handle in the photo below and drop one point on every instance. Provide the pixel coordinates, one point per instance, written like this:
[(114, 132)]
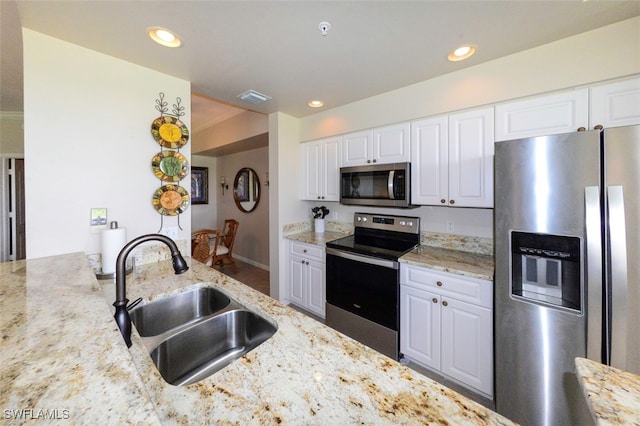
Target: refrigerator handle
[(595, 313), (618, 263)]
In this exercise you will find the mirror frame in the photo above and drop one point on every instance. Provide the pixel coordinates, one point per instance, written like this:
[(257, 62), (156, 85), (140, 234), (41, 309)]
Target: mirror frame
[(255, 189)]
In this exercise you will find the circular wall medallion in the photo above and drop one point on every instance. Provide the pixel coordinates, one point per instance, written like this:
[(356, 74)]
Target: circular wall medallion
[(170, 132), (170, 200)]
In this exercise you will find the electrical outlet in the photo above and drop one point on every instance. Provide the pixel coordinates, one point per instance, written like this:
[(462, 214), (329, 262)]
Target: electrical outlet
[(450, 227), (171, 232)]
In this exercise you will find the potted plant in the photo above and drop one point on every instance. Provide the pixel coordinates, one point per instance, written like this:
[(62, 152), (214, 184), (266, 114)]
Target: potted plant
[(319, 214)]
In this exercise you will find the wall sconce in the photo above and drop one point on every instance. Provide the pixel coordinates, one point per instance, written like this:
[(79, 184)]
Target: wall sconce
[(223, 185), (266, 181)]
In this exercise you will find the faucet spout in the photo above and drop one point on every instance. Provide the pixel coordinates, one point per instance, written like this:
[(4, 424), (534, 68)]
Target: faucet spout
[(122, 314)]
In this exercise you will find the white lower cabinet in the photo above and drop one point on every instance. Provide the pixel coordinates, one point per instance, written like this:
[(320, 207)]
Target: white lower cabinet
[(307, 277), (446, 325)]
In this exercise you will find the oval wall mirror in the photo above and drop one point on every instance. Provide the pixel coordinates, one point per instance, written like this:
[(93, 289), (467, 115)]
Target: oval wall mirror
[(246, 190)]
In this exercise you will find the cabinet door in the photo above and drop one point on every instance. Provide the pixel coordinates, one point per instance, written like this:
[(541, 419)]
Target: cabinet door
[(471, 158), (297, 280), (430, 161), (420, 326), (311, 170), (356, 148), (467, 344), (391, 144), (543, 115), (331, 155), (615, 104), (316, 287)]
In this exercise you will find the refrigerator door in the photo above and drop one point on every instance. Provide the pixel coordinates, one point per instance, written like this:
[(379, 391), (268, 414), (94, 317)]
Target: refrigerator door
[(622, 248), (540, 187)]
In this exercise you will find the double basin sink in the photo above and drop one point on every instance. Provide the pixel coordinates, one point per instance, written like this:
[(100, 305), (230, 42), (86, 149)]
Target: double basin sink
[(192, 334)]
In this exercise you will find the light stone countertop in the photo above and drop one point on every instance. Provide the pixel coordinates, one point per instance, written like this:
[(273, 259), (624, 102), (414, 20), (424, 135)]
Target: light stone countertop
[(454, 261), (311, 237), (62, 355), (61, 349), (613, 395)]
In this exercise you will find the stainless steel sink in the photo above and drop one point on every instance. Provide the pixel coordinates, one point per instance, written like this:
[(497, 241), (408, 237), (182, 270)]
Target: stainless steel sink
[(177, 310), (192, 334), (196, 353)]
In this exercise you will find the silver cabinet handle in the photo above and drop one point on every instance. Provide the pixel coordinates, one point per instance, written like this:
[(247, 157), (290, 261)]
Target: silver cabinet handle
[(594, 271), (618, 255)]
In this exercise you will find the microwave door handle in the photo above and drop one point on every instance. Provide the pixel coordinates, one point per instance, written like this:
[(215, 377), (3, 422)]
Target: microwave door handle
[(391, 178)]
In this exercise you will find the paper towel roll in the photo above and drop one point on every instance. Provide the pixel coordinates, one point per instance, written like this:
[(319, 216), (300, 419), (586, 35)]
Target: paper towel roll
[(112, 242)]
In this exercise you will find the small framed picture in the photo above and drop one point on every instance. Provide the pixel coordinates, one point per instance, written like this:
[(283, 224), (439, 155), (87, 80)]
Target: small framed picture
[(242, 185), (199, 185)]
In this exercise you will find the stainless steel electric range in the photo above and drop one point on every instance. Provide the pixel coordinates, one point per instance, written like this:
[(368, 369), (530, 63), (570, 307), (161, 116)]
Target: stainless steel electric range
[(363, 279)]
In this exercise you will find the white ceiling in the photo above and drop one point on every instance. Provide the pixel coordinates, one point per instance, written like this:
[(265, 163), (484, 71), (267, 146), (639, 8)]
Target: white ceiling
[(275, 47)]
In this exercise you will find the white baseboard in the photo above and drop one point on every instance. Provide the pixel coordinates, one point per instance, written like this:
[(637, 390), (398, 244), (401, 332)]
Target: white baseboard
[(251, 262)]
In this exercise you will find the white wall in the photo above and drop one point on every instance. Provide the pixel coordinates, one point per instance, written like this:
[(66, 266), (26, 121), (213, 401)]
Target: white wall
[(284, 193), (88, 144), (205, 216)]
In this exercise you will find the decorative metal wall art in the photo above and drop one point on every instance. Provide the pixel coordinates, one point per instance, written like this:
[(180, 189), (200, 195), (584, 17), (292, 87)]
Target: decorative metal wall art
[(169, 165)]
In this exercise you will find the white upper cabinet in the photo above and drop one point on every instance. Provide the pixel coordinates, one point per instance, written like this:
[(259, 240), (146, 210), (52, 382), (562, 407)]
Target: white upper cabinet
[(321, 169), (544, 115), (389, 144), (452, 160), (615, 104), (471, 149), (430, 161)]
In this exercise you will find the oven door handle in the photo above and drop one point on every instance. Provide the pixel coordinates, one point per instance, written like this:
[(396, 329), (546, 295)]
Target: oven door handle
[(391, 264)]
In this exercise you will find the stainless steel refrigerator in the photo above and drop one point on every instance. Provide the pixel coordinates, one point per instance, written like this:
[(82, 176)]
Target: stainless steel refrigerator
[(567, 280)]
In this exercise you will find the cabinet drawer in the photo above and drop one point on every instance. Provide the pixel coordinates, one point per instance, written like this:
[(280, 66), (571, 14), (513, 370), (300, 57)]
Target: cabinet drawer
[(309, 251), (467, 289)]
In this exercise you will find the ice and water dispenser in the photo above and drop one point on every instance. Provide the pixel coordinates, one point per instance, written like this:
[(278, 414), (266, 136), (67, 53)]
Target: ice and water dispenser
[(546, 269)]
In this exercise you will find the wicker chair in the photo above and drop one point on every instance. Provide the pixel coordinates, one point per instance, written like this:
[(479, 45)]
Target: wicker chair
[(224, 250), (203, 248)]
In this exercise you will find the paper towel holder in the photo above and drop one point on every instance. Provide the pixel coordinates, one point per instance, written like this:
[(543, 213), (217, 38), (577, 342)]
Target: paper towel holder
[(105, 276)]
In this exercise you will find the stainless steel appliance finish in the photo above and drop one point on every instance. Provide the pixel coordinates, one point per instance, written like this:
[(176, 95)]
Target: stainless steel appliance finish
[(363, 279), (567, 280), (383, 185)]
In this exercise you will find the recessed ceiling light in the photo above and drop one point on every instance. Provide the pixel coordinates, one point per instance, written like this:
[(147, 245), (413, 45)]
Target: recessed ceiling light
[(164, 37), (315, 104), (462, 52)]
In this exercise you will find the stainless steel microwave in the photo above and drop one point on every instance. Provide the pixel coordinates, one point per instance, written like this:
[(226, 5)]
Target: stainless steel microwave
[(383, 185)]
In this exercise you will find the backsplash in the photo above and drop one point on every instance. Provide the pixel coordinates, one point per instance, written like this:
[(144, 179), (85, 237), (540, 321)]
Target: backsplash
[(432, 239), (457, 242), (331, 226), (150, 252)]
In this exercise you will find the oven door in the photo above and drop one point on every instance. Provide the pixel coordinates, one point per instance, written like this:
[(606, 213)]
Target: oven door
[(365, 286)]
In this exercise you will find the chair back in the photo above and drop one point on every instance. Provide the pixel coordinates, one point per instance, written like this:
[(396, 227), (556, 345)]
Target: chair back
[(229, 231), (201, 249)]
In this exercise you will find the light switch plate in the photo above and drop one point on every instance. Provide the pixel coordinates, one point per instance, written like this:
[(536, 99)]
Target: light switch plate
[(98, 219)]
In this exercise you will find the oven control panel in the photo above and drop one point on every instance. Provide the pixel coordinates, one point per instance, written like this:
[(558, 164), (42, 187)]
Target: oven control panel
[(406, 224)]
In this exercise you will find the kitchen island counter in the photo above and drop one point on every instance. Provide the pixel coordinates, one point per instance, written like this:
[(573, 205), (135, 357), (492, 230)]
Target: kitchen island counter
[(62, 349), (613, 395)]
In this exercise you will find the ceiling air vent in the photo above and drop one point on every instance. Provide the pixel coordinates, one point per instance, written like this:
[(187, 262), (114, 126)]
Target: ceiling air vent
[(254, 97)]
